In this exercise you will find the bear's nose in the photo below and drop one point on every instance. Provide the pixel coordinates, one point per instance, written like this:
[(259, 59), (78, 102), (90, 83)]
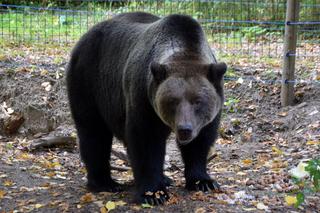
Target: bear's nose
[(184, 132)]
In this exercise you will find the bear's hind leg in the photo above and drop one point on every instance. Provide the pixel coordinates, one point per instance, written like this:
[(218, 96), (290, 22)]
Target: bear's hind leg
[(95, 147)]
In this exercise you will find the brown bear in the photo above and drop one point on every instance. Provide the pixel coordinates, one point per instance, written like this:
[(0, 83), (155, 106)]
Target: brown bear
[(139, 77)]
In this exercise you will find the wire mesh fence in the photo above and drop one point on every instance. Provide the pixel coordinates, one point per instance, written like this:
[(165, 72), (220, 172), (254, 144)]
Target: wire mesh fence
[(243, 27)]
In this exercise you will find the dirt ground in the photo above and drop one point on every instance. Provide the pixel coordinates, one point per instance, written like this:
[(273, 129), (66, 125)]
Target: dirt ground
[(259, 142)]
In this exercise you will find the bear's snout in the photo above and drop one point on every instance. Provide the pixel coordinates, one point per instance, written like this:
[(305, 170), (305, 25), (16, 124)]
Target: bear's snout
[(184, 133)]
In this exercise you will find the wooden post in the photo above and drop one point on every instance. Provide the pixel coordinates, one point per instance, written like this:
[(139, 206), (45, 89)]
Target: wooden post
[(290, 43)]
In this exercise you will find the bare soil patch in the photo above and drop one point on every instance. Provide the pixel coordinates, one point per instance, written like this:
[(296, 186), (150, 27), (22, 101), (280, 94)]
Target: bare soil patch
[(259, 143)]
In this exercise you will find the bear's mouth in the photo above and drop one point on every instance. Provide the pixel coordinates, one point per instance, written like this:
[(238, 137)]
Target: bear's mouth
[(184, 139), (183, 142)]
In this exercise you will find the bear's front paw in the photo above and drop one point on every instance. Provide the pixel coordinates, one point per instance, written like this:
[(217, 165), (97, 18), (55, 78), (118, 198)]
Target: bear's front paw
[(167, 181), (108, 186), (154, 198), (203, 185)]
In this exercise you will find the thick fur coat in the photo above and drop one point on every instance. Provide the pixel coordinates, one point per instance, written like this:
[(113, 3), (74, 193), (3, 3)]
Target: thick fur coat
[(138, 77)]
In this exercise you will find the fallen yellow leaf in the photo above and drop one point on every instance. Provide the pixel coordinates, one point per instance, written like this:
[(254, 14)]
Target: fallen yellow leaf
[(146, 205), (283, 114), (38, 205), (120, 203), (249, 209), (2, 193), (110, 205), (247, 161), (313, 142), (277, 150), (136, 208), (261, 206), (51, 174), (3, 57), (24, 156), (299, 171), (200, 210), (83, 170), (56, 165), (7, 183), (44, 72), (241, 173), (119, 162), (45, 163), (276, 164), (73, 135), (103, 210), (290, 200), (87, 198)]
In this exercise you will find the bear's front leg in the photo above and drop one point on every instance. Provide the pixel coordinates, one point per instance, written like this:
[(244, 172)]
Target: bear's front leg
[(146, 148), (195, 156)]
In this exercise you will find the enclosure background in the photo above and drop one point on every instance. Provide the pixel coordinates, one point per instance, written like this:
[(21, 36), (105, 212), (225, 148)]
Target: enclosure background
[(241, 27)]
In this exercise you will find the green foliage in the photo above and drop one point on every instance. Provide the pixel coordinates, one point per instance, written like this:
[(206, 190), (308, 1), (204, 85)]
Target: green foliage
[(253, 32), (234, 10), (45, 3), (308, 185), (231, 104), (270, 74), (146, 206), (313, 168), (300, 199), (46, 25), (231, 72), (74, 17), (9, 146)]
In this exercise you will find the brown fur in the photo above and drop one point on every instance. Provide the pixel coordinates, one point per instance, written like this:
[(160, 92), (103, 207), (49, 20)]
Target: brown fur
[(186, 96), (137, 77)]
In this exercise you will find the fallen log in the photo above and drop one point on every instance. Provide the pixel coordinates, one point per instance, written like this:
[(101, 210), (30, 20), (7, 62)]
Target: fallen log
[(52, 141)]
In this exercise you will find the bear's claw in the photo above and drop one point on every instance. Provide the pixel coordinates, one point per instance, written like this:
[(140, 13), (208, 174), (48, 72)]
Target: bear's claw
[(155, 198), (167, 181), (205, 186), (110, 186)]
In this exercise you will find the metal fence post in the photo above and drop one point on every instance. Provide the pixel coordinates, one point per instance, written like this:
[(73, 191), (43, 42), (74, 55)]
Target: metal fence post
[(290, 43)]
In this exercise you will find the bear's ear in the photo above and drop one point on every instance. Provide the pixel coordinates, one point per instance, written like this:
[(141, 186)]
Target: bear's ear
[(159, 71), (216, 71)]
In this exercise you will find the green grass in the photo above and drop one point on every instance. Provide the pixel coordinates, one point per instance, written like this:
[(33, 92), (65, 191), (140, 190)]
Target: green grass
[(45, 26), (65, 25), (34, 26)]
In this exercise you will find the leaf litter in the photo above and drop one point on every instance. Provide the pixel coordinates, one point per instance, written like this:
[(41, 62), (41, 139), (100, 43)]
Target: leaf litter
[(260, 144)]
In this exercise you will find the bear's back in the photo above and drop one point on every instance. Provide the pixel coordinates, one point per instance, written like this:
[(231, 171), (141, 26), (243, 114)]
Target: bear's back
[(136, 17)]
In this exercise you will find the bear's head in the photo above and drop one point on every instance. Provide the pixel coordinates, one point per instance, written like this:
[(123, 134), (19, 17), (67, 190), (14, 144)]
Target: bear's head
[(188, 96)]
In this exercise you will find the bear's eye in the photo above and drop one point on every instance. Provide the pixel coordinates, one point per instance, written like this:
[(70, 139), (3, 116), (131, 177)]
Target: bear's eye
[(172, 101), (197, 102)]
